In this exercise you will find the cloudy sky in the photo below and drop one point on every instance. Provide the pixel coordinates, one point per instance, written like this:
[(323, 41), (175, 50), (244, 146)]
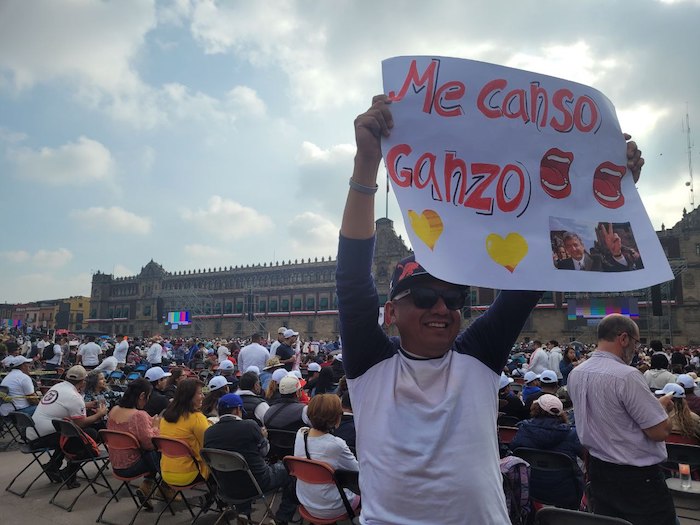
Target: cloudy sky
[(204, 134)]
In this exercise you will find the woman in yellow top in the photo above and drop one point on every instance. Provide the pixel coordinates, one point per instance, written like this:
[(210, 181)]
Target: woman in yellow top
[(183, 420)]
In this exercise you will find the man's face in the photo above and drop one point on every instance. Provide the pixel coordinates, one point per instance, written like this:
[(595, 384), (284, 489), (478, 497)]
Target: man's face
[(574, 248), (629, 350), (428, 332)]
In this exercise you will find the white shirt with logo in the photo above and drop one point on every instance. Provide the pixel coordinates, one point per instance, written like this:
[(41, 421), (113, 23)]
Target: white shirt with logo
[(61, 401)]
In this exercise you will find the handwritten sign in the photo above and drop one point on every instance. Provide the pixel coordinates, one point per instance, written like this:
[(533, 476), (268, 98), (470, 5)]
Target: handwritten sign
[(514, 180)]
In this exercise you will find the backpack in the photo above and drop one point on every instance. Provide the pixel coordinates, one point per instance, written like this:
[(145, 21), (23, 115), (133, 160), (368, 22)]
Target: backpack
[(516, 487), (47, 352), (79, 447)]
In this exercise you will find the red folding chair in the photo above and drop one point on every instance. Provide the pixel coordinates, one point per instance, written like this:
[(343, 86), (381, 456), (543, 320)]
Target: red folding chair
[(124, 441), (318, 473), (506, 434), (175, 448)]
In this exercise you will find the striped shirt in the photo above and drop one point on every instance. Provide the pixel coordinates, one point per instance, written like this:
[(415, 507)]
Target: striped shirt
[(613, 404)]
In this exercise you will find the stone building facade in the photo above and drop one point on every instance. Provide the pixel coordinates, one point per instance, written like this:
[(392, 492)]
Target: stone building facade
[(238, 301)]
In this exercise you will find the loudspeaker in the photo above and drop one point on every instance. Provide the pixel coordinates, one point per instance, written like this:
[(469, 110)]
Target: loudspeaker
[(656, 309)]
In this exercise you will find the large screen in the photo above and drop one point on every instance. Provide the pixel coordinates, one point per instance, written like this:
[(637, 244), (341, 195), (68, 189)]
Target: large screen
[(178, 318), (592, 310)]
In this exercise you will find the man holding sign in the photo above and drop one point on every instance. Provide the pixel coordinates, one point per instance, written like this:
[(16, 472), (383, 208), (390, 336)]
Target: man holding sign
[(427, 445)]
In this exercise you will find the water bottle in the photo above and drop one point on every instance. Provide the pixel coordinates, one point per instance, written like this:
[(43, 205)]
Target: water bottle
[(684, 470)]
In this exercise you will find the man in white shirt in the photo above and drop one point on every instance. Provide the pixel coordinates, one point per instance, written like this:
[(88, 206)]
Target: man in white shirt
[(253, 354), (280, 337), (108, 365), (121, 349), (54, 362), (63, 400), (21, 388), (539, 359), (555, 357), (155, 353), (89, 354), (222, 352)]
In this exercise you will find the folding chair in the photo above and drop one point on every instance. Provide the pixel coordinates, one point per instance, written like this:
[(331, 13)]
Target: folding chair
[(133, 375), (123, 441), (281, 443), (246, 488), (141, 369), (22, 422), (506, 434), (548, 468), (557, 516), (174, 448), (682, 453), (318, 473), (70, 430), (7, 427), (116, 376)]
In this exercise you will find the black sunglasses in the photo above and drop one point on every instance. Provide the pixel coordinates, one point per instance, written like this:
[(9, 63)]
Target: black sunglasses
[(425, 298)]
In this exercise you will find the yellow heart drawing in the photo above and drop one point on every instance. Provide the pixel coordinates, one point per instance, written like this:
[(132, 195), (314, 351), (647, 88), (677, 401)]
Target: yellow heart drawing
[(427, 225), (507, 252)]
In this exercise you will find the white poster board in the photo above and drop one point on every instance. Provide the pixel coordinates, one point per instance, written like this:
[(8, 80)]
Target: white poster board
[(514, 180)]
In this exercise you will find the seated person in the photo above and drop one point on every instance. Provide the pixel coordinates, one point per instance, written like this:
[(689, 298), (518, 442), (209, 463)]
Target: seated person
[(235, 434), (346, 428), (254, 406), (21, 391), (183, 420), (272, 390), (158, 400), (129, 416), (218, 386), (286, 413), (317, 443), (97, 389), (548, 429), (508, 402), (531, 386), (683, 421)]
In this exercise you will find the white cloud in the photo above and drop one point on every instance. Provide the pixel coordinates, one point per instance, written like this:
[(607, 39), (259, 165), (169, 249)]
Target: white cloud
[(202, 251), (76, 163), (114, 219), (18, 256), (38, 286), (122, 271), (11, 137), (313, 234), (227, 219), (245, 101), (41, 258), (641, 120)]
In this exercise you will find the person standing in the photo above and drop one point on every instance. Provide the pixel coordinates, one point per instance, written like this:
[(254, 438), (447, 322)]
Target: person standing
[(89, 354), (539, 359), (624, 428), (280, 339), (121, 350), (154, 355), (253, 354), (555, 357)]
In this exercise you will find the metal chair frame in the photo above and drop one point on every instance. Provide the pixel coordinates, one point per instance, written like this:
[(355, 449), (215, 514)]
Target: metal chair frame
[(22, 422), (557, 516), (549, 461)]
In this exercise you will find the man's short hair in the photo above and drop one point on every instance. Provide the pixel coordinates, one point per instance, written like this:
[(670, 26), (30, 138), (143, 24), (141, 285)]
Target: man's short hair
[(615, 324), (571, 235), (656, 345), (255, 338), (537, 342), (248, 381), (554, 343)]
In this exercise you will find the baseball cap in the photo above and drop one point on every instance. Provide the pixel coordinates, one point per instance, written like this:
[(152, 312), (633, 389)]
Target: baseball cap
[(530, 376), (671, 388), (550, 404), (156, 373), (77, 373), (504, 381), (279, 374), (289, 333), (685, 381), (549, 377), (281, 330), (19, 360), (314, 367), (405, 273), (217, 382), (289, 385), (253, 368), (226, 365), (230, 401)]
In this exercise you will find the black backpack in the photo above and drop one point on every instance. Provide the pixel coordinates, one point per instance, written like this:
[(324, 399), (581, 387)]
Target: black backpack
[(47, 352)]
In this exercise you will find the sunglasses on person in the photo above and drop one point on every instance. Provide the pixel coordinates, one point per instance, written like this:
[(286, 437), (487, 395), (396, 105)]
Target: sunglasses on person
[(425, 298)]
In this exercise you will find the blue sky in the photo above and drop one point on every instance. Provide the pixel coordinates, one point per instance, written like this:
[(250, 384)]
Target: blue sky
[(204, 134)]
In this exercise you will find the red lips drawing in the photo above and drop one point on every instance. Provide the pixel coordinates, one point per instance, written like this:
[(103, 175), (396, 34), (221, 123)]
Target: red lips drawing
[(607, 182), (554, 173)]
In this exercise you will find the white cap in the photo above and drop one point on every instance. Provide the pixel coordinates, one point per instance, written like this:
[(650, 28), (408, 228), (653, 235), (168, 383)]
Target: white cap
[(685, 381), (217, 382), (671, 388), (253, 368), (530, 376), (314, 367), (226, 365), (504, 381), (289, 333), (549, 377), (279, 374), (156, 373), (19, 360), (289, 385)]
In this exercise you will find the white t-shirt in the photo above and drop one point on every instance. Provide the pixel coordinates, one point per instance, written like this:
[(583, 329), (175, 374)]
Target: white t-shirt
[(57, 354), (121, 350), (61, 401), (253, 354), (223, 353), (273, 348), (20, 385), (323, 500), (108, 364), (90, 354), (155, 354)]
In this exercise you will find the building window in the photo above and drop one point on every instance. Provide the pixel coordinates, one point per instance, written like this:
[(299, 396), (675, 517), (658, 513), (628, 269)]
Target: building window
[(323, 303), (297, 304), (261, 306), (228, 308), (273, 305), (217, 308), (310, 303), (239, 307), (697, 248), (285, 305), (125, 312), (147, 310)]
